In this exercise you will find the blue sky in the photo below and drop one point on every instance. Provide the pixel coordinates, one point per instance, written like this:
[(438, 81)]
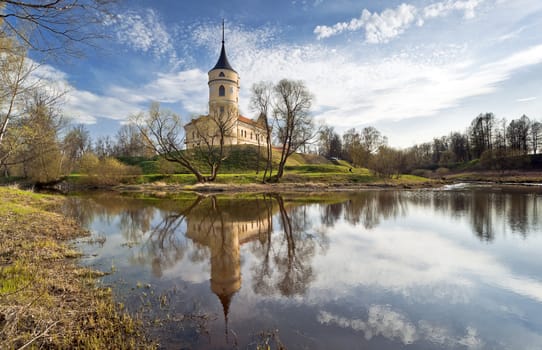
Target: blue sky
[(413, 69)]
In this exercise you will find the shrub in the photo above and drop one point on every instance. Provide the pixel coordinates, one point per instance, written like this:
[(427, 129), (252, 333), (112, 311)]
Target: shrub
[(106, 171), (422, 172), (442, 171)]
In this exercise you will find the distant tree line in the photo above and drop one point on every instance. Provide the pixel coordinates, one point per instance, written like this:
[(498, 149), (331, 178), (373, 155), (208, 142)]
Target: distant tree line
[(496, 143)]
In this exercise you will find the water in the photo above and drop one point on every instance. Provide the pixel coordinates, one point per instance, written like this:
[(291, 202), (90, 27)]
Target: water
[(457, 268)]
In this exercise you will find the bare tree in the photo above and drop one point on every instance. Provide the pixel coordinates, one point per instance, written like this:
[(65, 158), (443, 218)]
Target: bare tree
[(536, 132), (129, 142), (518, 134), (15, 71), (39, 152), (161, 130), (76, 143), (388, 162), (51, 26), (295, 127), (481, 133), (213, 132), (260, 102)]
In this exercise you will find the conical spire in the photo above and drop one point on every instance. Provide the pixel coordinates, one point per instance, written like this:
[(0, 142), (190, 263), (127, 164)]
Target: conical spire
[(225, 300), (222, 62)]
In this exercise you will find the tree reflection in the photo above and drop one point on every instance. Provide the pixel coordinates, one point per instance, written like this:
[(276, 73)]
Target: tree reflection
[(482, 216), (134, 216), (369, 208), (331, 213), (165, 245), (286, 255)]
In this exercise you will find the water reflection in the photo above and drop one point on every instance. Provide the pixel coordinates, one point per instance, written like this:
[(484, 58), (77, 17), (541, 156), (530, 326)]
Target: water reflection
[(401, 265), (369, 208)]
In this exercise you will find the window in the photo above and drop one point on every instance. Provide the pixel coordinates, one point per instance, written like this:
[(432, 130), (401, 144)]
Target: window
[(221, 109), (251, 136), (221, 74), (221, 91)]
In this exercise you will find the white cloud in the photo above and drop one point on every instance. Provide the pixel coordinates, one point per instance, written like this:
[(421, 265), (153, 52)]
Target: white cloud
[(511, 35), (187, 88), (143, 31), (526, 99), (379, 27), (390, 23), (442, 9)]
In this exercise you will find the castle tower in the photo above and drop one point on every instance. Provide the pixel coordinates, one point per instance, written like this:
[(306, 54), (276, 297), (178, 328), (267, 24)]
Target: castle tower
[(223, 86)]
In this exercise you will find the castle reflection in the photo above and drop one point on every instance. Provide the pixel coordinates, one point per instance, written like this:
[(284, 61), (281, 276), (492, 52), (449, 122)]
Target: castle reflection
[(222, 228)]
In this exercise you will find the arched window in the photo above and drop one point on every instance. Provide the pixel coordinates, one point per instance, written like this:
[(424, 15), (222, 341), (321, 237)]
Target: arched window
[(221, 91), (221, 74)]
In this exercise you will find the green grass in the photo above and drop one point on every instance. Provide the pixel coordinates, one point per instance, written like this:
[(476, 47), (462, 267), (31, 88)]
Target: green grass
[(242, 163), (14, 278)]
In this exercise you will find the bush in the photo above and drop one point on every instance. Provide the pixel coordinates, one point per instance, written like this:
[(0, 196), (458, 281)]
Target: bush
[(442, 171), (106, 171), (422, 172)]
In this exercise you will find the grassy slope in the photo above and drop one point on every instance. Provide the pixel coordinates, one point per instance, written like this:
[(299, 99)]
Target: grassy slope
[(46, 299), (241, 165)]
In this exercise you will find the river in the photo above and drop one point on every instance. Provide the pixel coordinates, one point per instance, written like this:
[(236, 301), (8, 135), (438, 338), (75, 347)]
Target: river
[(453, 268)]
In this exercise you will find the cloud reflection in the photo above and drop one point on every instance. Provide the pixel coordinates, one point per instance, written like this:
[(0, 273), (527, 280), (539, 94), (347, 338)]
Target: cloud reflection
[(383, 321)]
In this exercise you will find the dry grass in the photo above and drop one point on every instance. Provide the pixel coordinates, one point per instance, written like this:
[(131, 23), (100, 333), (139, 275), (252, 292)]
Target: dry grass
[(46, 299)]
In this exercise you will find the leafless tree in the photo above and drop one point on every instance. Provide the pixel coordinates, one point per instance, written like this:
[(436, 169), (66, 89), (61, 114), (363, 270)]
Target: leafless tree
[(213, 132), (15, 71), (75, 144), (39, 151), (161, 131), (518, 135), (536, 133), (260, 102), (481, 133), (52, 26), (295, 128), (129, 142)]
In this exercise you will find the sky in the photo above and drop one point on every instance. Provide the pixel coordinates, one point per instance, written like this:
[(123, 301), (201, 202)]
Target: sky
[(414, 69)]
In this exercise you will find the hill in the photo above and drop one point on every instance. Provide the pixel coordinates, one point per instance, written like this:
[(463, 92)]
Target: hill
[(244, 166), (241, 159)]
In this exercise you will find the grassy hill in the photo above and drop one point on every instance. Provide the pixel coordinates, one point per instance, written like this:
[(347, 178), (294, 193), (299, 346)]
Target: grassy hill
[(243, 163), (241, 159)]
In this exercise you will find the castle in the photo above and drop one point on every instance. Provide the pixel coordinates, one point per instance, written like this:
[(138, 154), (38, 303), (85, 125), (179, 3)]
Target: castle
[(224, 117)]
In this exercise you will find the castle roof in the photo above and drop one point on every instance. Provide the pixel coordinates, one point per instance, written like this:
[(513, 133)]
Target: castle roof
[(222, 62), (249, 121)]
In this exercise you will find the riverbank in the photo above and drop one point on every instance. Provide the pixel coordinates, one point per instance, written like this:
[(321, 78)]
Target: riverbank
[(166, 188), (46, 299), (498, 177)]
